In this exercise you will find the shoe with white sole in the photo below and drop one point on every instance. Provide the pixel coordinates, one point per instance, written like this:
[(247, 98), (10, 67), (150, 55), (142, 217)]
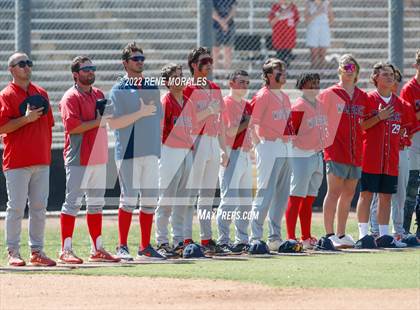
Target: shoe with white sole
[(309, 244), (345, 242), (274, 245)]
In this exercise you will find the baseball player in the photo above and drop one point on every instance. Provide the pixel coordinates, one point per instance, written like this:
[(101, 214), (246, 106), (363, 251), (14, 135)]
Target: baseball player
[(411, 93), (136, 121), (397, 199), (385, 115), (85, 157), (210, 150), (27, 137), (236, 178), (271, 109), (175, 163), (344, 157), (307, 164)]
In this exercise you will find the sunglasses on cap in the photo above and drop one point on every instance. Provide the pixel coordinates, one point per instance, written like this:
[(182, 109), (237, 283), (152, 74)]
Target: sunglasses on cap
[(349, 68), (24, 63), (206, 61), (88, 68), (137, 58)]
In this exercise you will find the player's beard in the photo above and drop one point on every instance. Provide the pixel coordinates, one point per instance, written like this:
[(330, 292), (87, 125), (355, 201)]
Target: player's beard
[(87, 81)]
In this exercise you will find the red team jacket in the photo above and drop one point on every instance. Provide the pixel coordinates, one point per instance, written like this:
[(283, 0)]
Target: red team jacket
[(270, 113), (31, 144), (201, 98), (232, 116), (177, 123), (381, 142), (411, 93), (347, 145)]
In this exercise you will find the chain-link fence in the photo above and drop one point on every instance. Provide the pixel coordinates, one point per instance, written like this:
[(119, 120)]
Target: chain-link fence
[(167, 31)]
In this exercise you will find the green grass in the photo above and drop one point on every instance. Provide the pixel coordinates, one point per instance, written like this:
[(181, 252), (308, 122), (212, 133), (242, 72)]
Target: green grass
[(378, 270)]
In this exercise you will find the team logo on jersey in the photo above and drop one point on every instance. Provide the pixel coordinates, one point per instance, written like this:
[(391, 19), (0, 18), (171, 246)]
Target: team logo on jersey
[(280, 115), (317, 121)]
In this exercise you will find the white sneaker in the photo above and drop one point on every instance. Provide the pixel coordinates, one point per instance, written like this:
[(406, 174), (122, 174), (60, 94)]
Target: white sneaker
[(346, 242), (399, 244), (274, 245), (335, 240), (309, 244)]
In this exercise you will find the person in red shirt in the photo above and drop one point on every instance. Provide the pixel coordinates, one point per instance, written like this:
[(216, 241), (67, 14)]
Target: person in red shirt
[(284, 18), (85, 158), (236, 178), (307, 164), (411, 93), (343, 157), (210, 149), (175, 163), (271, 110), (385, 116), (27, 137)]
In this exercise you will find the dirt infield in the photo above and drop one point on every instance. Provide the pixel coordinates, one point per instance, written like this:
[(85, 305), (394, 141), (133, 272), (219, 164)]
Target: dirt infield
[(62, 292)]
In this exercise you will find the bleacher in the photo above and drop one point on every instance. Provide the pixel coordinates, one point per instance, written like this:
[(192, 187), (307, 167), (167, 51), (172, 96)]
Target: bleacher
[(167, 30)]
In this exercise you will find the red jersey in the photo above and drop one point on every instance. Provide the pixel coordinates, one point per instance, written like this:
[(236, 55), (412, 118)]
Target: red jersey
[(312, 134), (411, 93), (284, 31), (201, 98), (347, 145), (381, 143), (89, 147), (233, 115), (29, 145), (177, 123), (270, 113)]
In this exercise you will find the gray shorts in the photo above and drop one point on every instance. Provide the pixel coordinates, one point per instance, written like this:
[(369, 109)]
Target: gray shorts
[(307, 174), (343, 171)]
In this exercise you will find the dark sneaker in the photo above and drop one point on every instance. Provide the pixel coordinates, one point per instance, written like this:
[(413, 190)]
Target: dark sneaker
[(179, 249), (167, 251), (149, 253), (123, 253), (213, 249), (239, 248), (38, 258), (223, 249)]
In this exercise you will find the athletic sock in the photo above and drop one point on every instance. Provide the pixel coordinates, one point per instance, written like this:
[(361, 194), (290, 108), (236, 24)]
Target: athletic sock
[(146, 221), (305, 216), (292, 211), (124, 223), (67, 227), (205, 242), (94, 223), (363, 229), (383, 230)]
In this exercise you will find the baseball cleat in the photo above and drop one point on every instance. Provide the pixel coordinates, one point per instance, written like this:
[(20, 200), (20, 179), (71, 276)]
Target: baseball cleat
[(166, 250), (14, 259), (68, 257), (101, 255), (149, 253), (274, 245), (309, 244), (123, 253), (239, 248), (38, 258)]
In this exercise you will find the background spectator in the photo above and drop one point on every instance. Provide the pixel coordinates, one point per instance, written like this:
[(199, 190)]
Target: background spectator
[(284, 18), (224, 26), (318, 18)]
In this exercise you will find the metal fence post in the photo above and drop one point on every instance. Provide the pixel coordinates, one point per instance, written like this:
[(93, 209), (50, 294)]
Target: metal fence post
[(205, 23), (23, 26), (396, 33)]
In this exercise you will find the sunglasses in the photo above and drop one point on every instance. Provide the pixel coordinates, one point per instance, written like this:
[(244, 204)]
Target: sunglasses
[(137, 58), (349, 68), (88, 68), (206, 61), (24, 63)]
